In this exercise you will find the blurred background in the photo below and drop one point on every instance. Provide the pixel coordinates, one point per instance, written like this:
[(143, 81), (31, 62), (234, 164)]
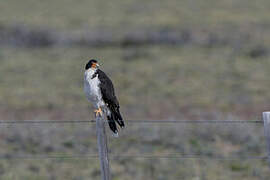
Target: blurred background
[(169, 60)]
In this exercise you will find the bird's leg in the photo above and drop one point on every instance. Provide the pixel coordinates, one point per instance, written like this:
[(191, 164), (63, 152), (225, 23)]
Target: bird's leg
[(98, 112)]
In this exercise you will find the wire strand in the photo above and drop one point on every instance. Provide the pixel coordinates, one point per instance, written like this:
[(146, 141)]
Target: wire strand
[(194, 121), (44, 121), (128, 121), (131, 156)]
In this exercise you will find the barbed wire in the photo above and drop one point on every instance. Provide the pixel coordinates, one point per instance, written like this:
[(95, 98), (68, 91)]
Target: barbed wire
[(181, 156), (133, 156), (194, 121), (128, 121), (44, 121)]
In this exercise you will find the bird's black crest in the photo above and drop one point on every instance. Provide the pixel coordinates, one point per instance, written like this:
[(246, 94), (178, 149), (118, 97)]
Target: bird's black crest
[(89, 64)]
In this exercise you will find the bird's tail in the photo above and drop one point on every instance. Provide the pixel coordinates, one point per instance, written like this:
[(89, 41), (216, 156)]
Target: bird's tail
[(112, 125), (115, 116)]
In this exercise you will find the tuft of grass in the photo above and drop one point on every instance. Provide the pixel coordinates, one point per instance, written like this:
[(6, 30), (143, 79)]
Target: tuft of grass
[(236, 167)]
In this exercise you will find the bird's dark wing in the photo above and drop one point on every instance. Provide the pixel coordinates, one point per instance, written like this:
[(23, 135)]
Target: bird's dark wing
[(107, 89), (108, 95)]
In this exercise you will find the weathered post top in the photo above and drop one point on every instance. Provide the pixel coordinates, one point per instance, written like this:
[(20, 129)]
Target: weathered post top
[(102, 148), (266, 124)]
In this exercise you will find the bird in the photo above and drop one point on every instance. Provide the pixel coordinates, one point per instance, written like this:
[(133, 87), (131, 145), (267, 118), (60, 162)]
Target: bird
[(99, 90)]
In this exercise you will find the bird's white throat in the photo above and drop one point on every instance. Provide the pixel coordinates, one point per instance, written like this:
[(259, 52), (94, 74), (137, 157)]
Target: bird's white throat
[(92, 89), (90, 72)]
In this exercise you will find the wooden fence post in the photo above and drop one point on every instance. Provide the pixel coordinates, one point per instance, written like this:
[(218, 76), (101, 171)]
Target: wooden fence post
[(266, 123), (102, 148)]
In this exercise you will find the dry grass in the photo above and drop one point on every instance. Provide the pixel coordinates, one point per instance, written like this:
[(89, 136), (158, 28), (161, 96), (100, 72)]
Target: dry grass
[(150, 81), (221, 72)]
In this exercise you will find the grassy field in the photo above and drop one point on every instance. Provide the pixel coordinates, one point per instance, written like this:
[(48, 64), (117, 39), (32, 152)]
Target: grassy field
[(66, 140), (218, 70), (151, 82), (73, 15)]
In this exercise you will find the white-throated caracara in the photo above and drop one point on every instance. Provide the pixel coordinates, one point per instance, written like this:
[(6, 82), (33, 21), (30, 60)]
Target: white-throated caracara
[(99, 91)]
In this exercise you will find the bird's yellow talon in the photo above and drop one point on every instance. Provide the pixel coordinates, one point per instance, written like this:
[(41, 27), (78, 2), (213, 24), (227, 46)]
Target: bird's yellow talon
[(98, 112)]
